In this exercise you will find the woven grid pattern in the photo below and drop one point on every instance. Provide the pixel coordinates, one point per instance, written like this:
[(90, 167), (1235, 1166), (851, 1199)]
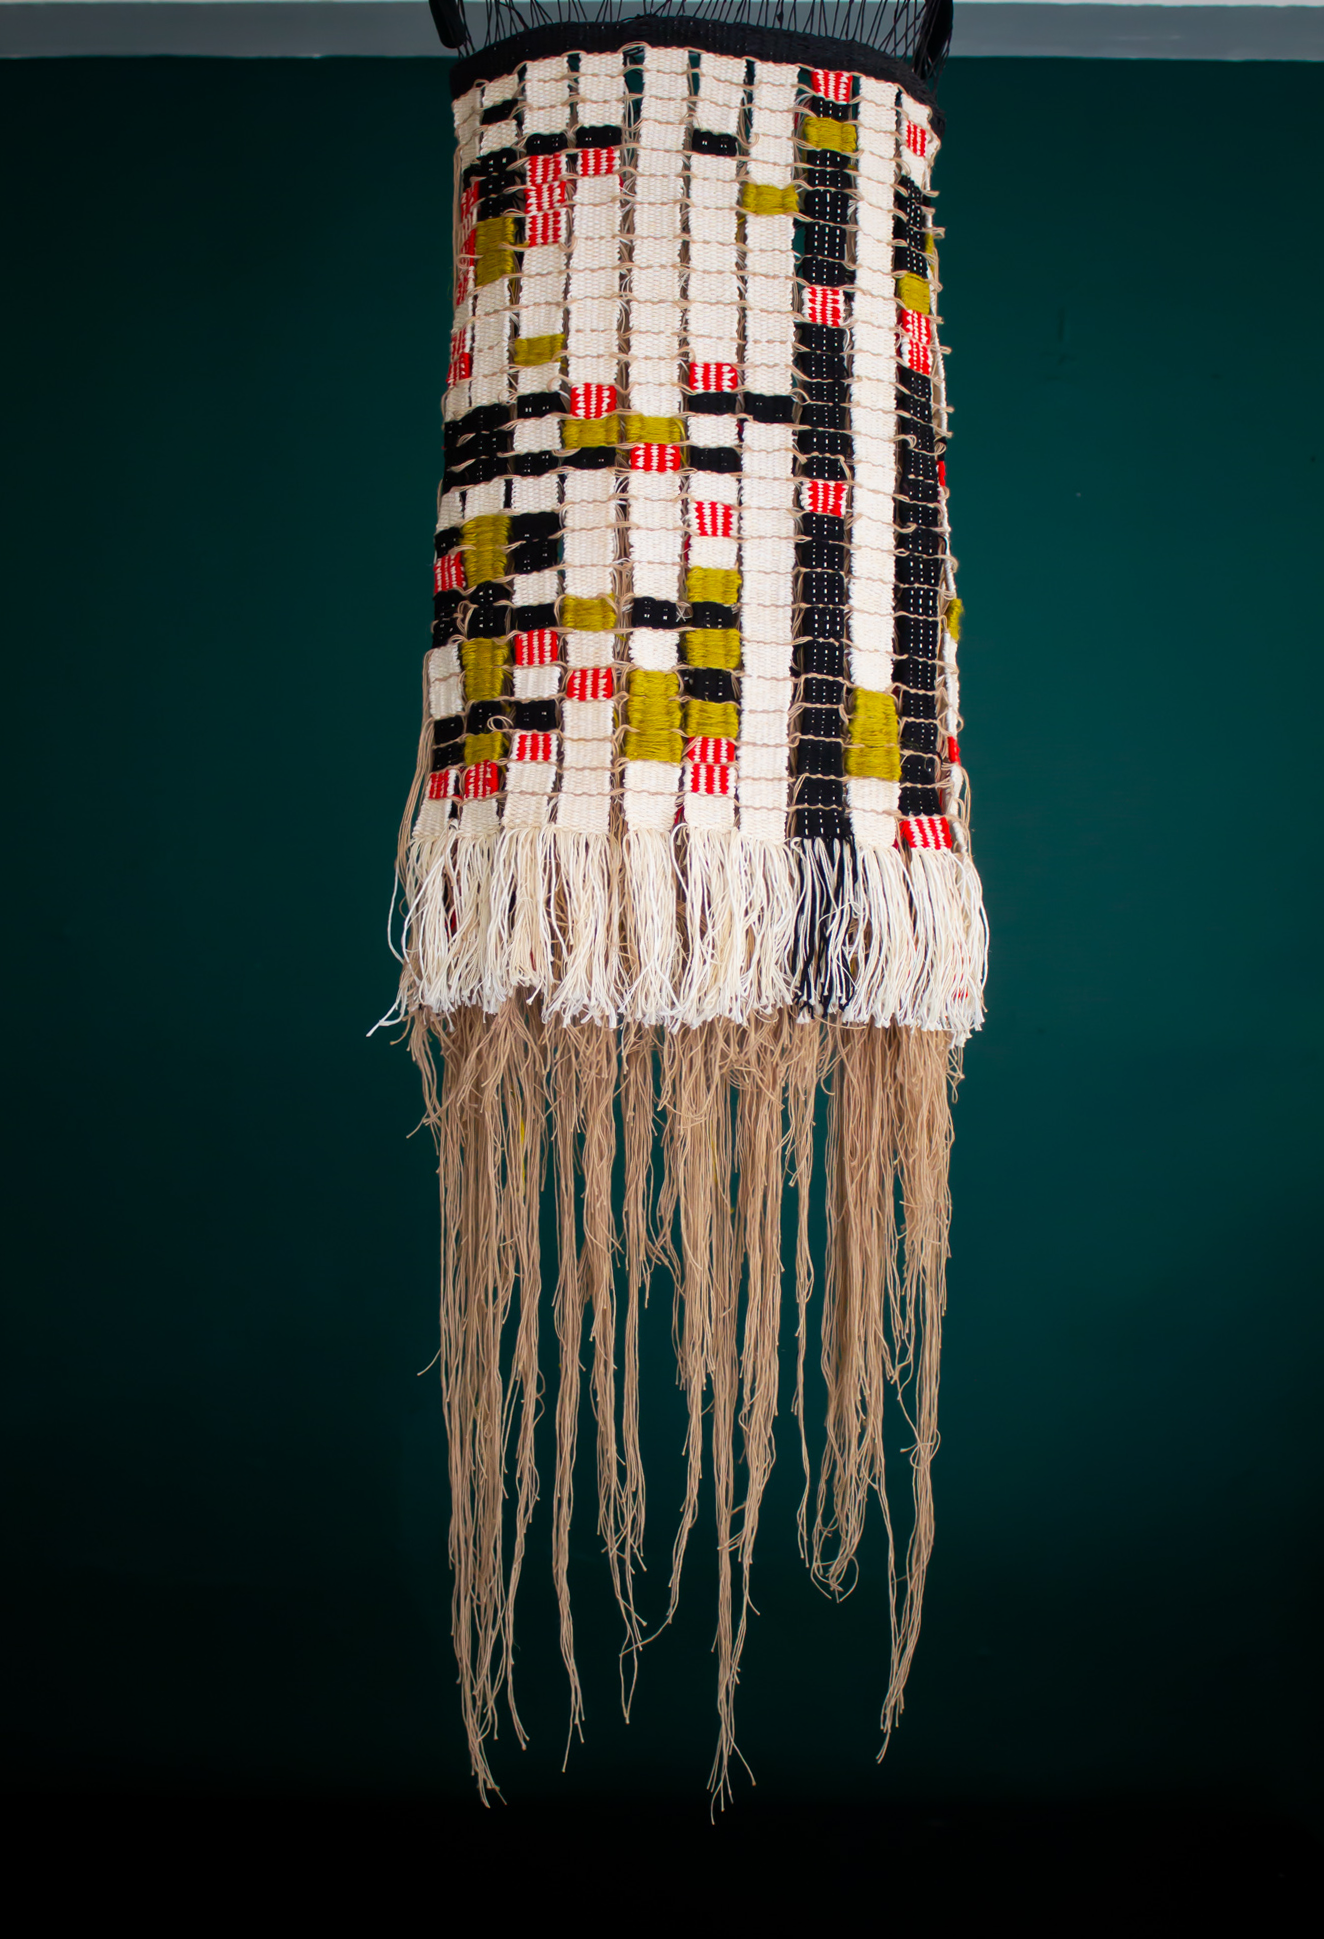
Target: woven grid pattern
[(692, 574)]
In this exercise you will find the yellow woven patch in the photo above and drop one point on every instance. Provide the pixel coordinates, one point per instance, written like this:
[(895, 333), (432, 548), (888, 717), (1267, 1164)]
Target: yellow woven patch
[(577, 432), (653, 716), (493, 232), (763, 198), (818, 131), (713, 646), (913, 293), (492, 265), (526, 351), (653, 430), (719, 719), (483, 747), (483, 661), (874, 748), (587, 615), (483, 542), (953, 616), (713, 583)]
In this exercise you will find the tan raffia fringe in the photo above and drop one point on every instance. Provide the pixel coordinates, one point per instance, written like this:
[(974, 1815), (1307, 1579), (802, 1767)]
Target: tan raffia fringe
[(737, 1109)]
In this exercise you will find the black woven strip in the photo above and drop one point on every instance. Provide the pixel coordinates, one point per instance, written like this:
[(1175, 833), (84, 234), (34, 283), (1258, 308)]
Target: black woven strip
[(540, 403), (535, 555), (655, 612), (533, 464), (921, 801), (482, 713), (709, 36), (534, 525), (711, 403), (533, 716), (708, 683), (446, 540), (606, 134), (446, 613), (713, 457), (531, 619), (545, 144), (707, 613), (765, 409), (499, 111)]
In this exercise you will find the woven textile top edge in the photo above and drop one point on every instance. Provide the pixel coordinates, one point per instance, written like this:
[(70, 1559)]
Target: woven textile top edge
[(707, 36)]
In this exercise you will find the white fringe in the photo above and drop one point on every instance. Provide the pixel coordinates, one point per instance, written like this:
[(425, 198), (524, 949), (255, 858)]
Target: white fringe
[(426, 936), (470, 878), (521, 939), (770, 882), (587, 899), (951, 936), (650, 891), (886, 957), (716, 926)]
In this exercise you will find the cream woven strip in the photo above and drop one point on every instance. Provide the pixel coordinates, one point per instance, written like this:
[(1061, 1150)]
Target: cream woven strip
[(651, 771), (535, 757), (589, 515), (873, 799), (767, 516), (712, 353)]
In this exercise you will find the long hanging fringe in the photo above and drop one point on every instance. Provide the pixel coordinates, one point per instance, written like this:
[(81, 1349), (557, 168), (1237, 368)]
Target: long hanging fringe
[(737, 1104)]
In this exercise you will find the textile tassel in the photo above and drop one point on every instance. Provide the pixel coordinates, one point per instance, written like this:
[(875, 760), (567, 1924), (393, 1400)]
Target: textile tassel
[(687, 850), (653, 939)]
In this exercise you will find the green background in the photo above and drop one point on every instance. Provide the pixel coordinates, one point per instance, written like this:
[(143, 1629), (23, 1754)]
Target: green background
[(227, 332)]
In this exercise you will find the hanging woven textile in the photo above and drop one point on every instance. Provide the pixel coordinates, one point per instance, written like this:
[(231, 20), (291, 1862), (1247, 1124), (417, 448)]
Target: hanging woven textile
[(687, 847)]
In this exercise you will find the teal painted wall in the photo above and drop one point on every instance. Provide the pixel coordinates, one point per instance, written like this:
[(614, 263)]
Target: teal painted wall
[(226, 335)]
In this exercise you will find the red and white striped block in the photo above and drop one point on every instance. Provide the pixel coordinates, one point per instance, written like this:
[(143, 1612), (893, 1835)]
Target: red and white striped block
[(481, 779), (926, 831), (539, 649), (917, 138), (540, 230), (823, 304), (597, 161), (592, 400), (444, 784), (590, 683), (709, 777), (655, 457), (826, 496), (712, 519), (448, 572), (462, 363), (533, 747), (714, 377), (914, 342), (545, 170), (540, 196), (831, 84), (708, 751)]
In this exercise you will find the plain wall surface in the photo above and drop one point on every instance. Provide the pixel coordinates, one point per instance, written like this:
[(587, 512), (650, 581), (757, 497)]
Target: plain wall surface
[(226, 334)]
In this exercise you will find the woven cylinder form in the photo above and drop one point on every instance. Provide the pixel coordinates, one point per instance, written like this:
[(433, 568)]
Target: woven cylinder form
[(687, 850)]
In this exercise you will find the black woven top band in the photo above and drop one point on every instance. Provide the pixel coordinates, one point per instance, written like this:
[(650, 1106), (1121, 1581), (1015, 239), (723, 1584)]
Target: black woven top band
[(709, 36)]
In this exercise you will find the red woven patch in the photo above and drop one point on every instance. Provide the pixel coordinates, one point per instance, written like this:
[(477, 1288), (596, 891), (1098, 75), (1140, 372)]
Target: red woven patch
[(443, 784), (532, 747), (709, 777), (448, 573), (597, 161), (917, 138), (481, 780), (953, 750), (590, 683), (655, 457), (718, 377), (823, 304), (540, 649), (461, 365), (592, 400), (831, 83), (541, 195), (915, 342), (712, 519), (942, 473), (826, 496), (542, 229), (545, 168), (707, 750), (926, 831)]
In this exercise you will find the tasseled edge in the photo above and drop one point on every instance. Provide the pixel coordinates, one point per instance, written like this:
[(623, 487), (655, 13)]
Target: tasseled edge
[(517, 1082), (688, 927)]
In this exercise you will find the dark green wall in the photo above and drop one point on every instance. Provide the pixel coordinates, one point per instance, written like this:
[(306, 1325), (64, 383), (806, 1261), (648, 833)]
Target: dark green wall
[(227, 332)]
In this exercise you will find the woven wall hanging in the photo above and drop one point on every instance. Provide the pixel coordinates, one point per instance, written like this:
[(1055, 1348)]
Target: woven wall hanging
[(687, 844)]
